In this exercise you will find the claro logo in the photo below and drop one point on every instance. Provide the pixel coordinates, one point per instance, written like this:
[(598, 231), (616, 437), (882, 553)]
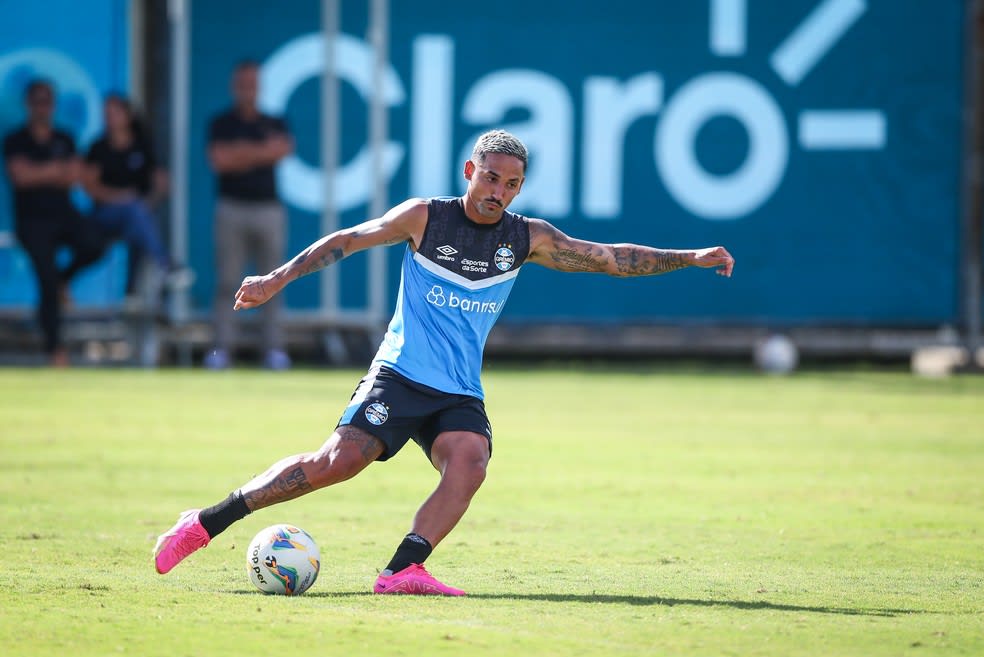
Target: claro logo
[(607, 107)]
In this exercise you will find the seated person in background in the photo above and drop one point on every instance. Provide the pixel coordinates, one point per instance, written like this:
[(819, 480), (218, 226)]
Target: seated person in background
[(42, 165), (123, 179)]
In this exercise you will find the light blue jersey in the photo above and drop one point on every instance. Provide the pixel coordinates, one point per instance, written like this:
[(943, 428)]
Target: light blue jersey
[(452, 290)]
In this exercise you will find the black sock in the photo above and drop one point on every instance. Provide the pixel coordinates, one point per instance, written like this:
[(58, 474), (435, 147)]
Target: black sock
[(414, 549), (216, 519)]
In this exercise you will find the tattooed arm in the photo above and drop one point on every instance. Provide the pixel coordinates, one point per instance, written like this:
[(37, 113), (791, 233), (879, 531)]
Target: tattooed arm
[(403, 223), (552, 248)]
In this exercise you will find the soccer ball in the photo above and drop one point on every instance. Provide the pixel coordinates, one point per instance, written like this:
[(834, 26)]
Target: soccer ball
[(283, 559), (776, 355)]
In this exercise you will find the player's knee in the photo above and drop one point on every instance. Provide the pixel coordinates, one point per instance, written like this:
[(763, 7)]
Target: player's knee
[(335, 464), (477, 471), (339, 460), (468, 473)]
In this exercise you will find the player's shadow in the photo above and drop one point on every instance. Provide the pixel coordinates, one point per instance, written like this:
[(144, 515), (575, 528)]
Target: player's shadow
[(653, 600), (646, 600)]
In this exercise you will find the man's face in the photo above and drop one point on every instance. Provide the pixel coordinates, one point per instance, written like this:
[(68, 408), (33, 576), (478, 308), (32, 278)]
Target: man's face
[(245, 86), (494, 183), (41, 105)]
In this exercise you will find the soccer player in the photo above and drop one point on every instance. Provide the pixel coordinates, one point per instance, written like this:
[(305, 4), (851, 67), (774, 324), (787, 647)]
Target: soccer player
[(462, 258)]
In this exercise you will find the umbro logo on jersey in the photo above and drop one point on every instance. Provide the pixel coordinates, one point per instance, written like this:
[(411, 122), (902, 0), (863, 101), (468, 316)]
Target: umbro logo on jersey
[(446, 252)]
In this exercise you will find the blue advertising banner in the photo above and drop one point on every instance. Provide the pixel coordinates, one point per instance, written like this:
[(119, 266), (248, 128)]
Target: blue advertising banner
[(819, 140), (84, 53)]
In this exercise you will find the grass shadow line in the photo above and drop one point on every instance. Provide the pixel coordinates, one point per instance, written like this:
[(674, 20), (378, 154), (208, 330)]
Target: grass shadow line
[(655, 600)]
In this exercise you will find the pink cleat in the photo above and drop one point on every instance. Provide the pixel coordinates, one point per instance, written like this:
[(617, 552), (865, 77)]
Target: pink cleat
[(413, 580), (185, 537)]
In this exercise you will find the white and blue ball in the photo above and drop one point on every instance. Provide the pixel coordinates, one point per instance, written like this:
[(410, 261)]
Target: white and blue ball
[(283, 560)]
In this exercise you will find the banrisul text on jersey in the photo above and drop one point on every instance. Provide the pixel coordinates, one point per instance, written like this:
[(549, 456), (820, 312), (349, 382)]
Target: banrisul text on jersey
[(452, 290)]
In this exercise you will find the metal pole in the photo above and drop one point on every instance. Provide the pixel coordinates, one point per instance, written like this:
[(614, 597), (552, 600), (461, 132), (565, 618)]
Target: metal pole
[(972, 264), (136, 87), (179, 14), (378, 136), (330, 146)]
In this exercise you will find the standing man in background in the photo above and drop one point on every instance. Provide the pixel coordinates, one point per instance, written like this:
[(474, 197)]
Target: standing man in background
[(244, 145), (43, 166)]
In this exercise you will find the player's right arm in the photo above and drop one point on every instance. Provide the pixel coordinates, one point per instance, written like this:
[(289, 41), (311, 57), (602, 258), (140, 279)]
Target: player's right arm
[(405, 222)]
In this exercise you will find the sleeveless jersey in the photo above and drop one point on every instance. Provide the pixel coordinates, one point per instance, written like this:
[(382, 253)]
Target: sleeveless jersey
[(452, 290)]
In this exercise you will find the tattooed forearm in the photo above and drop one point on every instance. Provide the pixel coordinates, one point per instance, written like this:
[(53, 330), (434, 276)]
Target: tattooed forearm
[(572, 260), (276, 485), (633, 260), (554, 249), (321, 261), (312, 259)]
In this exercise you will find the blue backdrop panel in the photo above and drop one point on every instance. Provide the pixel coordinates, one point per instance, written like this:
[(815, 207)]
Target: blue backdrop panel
[(819, 140)]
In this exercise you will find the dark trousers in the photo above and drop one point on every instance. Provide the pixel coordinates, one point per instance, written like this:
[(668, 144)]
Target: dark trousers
[(41, 238)]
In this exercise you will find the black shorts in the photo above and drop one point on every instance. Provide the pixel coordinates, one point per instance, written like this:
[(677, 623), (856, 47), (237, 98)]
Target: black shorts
[(395, 409)]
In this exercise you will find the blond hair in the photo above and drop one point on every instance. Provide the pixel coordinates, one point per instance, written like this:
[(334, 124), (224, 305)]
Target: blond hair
[(499, 141)]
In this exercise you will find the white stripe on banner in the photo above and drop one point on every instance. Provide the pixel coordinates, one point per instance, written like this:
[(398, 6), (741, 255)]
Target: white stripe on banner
[(814, 38), (842, 129), (728, 27)]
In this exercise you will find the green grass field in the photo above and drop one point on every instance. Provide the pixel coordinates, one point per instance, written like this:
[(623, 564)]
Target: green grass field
[(632, 511)]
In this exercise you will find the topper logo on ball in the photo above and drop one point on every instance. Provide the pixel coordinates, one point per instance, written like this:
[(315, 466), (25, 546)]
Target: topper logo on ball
[(609, 105), (255, 559)]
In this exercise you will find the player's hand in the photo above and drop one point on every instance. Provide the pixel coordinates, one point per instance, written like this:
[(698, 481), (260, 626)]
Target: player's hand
[(255, 291), (716, 256)]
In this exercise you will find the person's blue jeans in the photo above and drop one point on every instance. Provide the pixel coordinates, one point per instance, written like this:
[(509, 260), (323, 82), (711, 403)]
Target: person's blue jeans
[(133, 222)]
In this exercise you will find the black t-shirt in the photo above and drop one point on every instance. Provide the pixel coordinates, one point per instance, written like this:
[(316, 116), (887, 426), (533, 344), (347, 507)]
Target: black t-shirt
[(257, 184), (127, 168), (33, 202)]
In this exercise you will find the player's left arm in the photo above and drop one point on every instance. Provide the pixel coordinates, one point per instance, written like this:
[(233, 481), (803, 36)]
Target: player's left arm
[(551, 248)]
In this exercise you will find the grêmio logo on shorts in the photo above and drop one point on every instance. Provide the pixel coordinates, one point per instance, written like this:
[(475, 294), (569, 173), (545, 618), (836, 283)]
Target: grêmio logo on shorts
[(438, 297), (377, 413)]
